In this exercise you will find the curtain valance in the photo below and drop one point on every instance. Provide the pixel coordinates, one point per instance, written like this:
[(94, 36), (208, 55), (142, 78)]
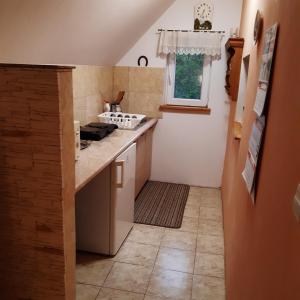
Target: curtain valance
[(208, 43)]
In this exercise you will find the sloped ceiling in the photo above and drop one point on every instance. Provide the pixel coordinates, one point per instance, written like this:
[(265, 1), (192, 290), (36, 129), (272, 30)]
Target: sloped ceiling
[(95, 32)]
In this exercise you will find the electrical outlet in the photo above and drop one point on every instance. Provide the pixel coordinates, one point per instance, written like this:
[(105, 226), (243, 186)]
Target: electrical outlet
[(296, 204)]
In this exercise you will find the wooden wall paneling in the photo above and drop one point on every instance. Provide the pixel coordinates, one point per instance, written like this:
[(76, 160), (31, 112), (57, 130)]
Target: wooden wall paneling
[(36, 195), (68, 178)]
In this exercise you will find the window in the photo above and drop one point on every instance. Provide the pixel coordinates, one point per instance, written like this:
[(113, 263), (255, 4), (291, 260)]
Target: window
[(187, 81)]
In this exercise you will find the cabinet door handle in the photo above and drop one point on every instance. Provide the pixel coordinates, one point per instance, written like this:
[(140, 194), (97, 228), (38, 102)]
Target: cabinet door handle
[(120, 163)]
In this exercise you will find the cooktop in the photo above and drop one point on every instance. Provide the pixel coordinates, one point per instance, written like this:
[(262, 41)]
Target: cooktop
[(96, 131)]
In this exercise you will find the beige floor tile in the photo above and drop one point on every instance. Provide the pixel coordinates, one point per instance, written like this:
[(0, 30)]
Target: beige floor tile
[(211, 213), (93, 271), (191, 211), (86, 292), (176, 260), (136, 253), (210, 244), (111, 294), (213, 202), (193, 200), (131, 278), (179, 240), (146, 234), (188, 224), (208, 288), (151, 297), (169, 284), (210, 192), (209, 264), (195, 190), (83, 257), (210, 227)]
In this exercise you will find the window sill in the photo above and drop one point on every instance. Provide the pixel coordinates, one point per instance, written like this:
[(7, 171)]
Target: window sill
[(185, 109)]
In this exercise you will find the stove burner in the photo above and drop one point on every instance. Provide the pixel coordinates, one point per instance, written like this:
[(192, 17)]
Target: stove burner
[(84, 144), (96, 131)]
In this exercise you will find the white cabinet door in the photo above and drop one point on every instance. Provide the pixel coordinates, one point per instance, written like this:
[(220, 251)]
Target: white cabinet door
[(122, 204)]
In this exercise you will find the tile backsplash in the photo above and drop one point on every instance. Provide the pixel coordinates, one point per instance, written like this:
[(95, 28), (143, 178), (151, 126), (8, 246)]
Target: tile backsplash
[(143, 88), (91, 84)]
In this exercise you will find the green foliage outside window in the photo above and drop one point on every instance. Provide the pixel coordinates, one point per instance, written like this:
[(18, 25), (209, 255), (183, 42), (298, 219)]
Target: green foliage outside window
[(189, 69)]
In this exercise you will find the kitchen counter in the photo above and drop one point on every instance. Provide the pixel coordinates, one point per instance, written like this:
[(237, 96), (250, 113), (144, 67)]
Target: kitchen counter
[(102, 153)]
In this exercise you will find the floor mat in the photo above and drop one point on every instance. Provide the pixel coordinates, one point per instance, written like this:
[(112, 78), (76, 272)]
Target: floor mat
[(161, 204)]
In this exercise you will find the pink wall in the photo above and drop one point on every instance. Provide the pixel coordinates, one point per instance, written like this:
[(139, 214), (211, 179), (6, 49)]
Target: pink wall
[(262, 242)]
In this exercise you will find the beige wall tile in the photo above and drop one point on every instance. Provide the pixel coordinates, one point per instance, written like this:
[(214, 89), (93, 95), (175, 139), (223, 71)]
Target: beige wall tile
[(121, 78), (147, 80), (91, 85), (145, 103), (143, 88), (121, 83)]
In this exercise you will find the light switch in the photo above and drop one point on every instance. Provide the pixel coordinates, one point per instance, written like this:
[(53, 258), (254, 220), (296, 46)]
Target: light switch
[(296, 205)]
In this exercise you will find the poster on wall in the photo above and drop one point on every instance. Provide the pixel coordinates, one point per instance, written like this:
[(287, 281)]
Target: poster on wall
[(265, 69), (249, 172)]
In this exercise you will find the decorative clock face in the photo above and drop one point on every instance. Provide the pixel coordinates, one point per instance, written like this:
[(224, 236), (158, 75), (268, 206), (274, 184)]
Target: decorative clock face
[(204, 11)]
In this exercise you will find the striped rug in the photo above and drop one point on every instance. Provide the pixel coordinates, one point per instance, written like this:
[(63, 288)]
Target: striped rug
[(161, 204)]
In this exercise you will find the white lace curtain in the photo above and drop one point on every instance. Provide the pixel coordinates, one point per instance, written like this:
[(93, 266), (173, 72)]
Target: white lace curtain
[(208, 43)]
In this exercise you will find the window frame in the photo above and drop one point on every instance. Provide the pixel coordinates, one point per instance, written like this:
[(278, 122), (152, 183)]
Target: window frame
[(170, 84)]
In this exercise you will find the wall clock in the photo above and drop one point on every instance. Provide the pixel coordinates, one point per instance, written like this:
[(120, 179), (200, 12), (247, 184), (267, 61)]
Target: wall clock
[(203, 15)]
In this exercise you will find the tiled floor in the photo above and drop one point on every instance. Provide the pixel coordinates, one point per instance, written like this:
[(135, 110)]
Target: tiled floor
[(156, 263)]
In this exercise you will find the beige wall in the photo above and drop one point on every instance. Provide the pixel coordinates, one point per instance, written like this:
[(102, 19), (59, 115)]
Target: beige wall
[(143, 88), (91, 84), (93, 32)]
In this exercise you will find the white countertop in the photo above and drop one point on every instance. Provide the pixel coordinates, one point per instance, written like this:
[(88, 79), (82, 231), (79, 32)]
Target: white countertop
[(101, 153)]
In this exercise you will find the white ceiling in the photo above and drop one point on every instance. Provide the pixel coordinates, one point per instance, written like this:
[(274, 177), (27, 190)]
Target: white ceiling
[(95, 32)]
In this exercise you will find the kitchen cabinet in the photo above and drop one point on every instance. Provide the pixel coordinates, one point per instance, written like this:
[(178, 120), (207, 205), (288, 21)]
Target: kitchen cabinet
[(105, 206), (143, 159)]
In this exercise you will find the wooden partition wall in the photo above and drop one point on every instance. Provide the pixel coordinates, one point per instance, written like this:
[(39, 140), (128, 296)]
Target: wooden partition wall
[(37, 235)]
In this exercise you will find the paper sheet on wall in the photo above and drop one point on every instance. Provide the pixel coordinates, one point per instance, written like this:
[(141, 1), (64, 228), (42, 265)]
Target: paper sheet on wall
[(265, 69), (249, 172), (252, 155), (255, 138)]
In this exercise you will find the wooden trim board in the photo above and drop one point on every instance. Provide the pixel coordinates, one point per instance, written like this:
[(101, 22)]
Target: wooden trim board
[(185, 109)]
